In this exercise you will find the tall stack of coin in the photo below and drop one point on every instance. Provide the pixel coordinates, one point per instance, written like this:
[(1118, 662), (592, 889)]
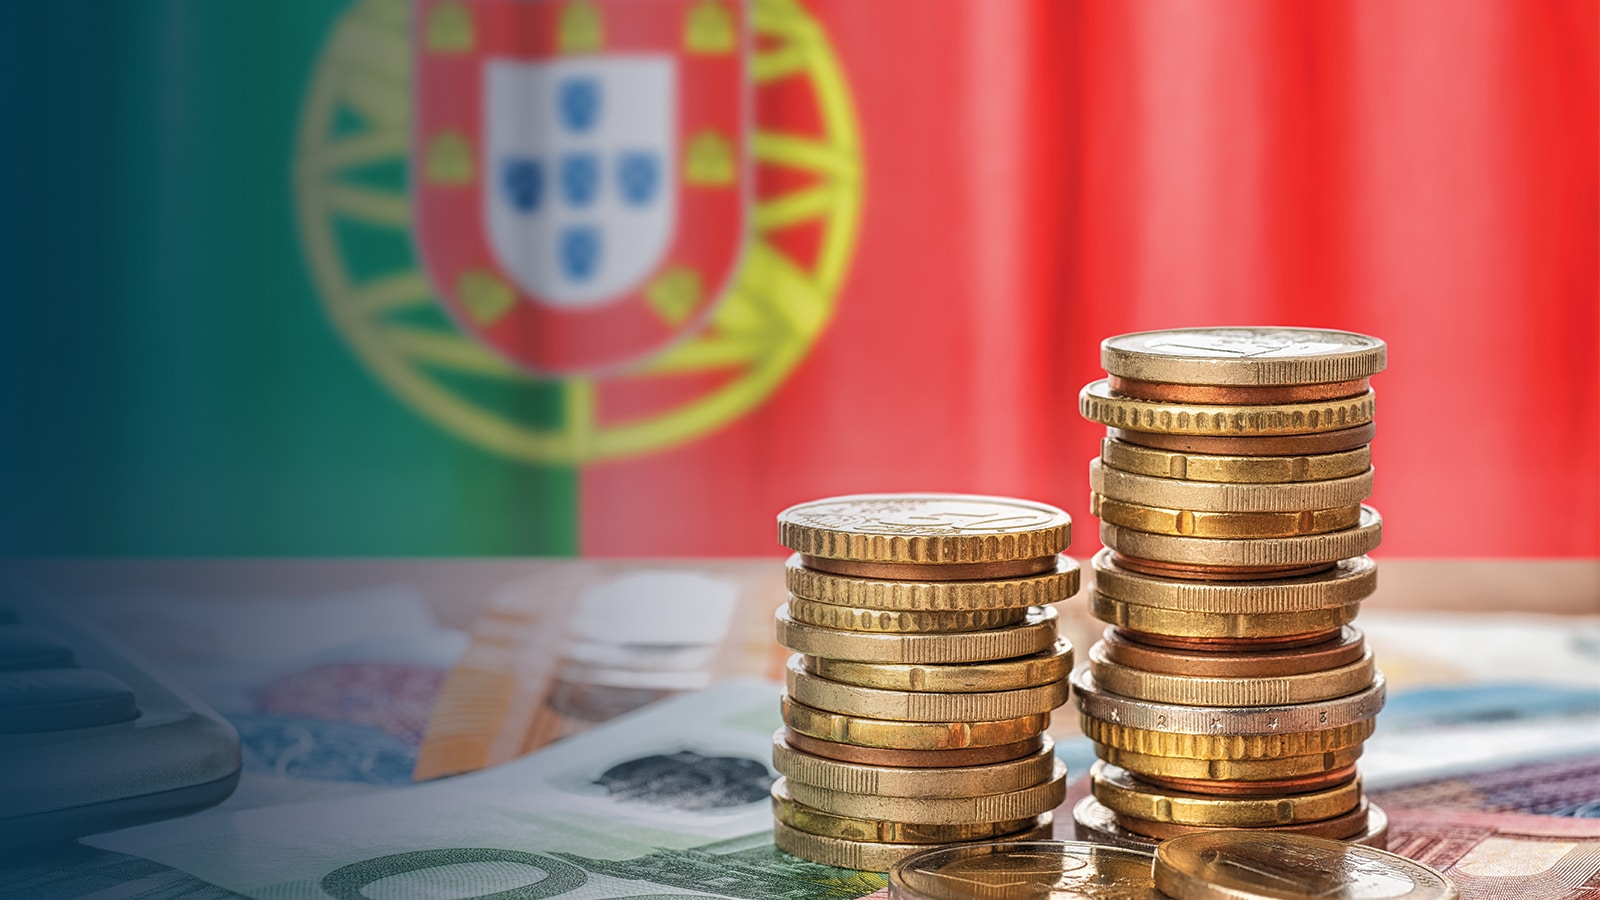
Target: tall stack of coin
[(1230, 689), (927, 662)]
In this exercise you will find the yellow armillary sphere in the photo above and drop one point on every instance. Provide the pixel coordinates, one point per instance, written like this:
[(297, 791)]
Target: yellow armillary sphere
[(356, 212)]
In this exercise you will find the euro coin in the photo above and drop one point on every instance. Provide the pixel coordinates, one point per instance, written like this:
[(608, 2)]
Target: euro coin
[(1231, 771), (1235, 865), (1341, 827), (1236, 394), (1279, 445), (928, 530), (1122, 648), (1292, 551), (1029, 801), (1209, 496), (868, 856), (964, 781), (1002, 675), (1200, 523), (1219, 787), (895, 621), (1058, 583), (888, 735), (1098, 403), (1273, 721), (920, 706), (1224, 746), (1125, 795), (916, 759), (814, 821), (1248, 356), (1153, 620), (1093, 822), (1025, 871), (1035, 633), (1233, 469), (1190, 690)]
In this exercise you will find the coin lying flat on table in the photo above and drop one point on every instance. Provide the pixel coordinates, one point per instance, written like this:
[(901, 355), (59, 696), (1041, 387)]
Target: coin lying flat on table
[(1190, 690), (897, 621), (1025, 871), (1124, 794), (1210, 496), (1035, 633), (1279, 445), (1153, 620), (1029, 801), (1250, 355), (1003, 675), (1291, 551), (929, 530), (1054, 585), (814, 821), (1234, 865), (920, 706), (890, 735), (1098, 403), (914, 759), (1204, 524), (1233, 469), (964, 781), (1231, 770), (870, 856)]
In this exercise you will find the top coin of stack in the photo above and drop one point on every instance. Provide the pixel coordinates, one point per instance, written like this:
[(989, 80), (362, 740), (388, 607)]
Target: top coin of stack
[(926, 664), (1230, 690)]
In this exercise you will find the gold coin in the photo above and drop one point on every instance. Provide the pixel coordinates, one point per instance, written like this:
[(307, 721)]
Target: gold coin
[(1036, 632), (912, 759), (1183, 623), (890, 735), (1226, 746), (1198, 523), (1125, 795), (1030, 801), (1095, 702), (920, 706), (1271, 769), (1034, 870), (1007, 675), (1233, 469), (1096, 823), (1292, 551), (1210, 496), (1243, 356), (1349, 581), (1098, 403), (925, 529), (815, 821), (1053, 586), (897, 621), (1190, 690), (1235, 865), (874, 856), (958, 781)]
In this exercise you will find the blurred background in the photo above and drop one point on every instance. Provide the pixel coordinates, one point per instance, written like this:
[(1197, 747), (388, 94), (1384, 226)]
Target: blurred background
[(272, 295)]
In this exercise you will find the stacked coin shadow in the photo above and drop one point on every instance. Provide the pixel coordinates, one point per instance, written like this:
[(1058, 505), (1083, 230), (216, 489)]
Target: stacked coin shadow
[(926, 664), (1230, 689)]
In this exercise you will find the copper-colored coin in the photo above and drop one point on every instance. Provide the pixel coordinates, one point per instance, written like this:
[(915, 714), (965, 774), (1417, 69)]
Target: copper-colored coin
[(1128, 795), (1297, 785), (986, 571), (1211, 690), (913, 759), (1236, 394), (1276, 445), (1123, 648), (1339, 827), (1191, 572), (1226, 626), (1234, 645), (1098, 403)]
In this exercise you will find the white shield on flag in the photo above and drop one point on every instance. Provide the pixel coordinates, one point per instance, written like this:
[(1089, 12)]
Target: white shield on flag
[(578, 153)]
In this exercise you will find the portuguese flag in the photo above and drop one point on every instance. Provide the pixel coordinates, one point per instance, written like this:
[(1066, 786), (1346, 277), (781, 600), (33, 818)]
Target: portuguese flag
[(626, 277)]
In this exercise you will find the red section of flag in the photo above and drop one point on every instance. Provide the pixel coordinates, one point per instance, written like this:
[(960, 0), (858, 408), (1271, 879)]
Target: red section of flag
[(1042, 175)]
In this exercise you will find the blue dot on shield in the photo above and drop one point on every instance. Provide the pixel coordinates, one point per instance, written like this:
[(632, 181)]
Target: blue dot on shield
[(522, 179), (580, 252), (579, 103), (639, 177), (580, 178)]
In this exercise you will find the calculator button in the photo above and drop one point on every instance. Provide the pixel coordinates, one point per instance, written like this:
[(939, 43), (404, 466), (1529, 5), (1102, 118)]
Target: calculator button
[(27, 647), (59, 699)]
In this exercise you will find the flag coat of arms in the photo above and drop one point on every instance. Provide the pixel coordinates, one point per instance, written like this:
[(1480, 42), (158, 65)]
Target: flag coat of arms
[(580, 193)]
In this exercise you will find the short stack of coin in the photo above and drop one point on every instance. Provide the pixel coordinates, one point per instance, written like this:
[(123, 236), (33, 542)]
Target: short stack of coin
[(927, 662), (1230, 690)]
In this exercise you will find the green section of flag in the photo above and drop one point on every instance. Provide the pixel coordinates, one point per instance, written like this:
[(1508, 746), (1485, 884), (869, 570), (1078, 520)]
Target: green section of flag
[(169, 380)]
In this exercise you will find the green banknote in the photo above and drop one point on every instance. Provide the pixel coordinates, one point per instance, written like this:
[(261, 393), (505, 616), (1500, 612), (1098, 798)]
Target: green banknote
[(668, 802)]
